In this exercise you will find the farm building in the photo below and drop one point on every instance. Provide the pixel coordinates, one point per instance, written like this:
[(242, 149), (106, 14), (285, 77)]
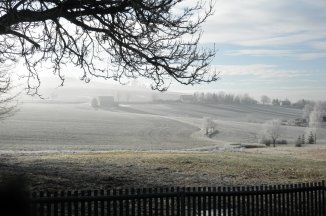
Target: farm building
[(106, 101), (187, 98), (324, 118)]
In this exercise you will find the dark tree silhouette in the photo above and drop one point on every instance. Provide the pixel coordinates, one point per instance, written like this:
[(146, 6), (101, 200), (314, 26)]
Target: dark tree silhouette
[(118, 39)]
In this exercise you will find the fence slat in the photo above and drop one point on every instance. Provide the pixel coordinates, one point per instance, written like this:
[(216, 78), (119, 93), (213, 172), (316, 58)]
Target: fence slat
[(89, 204), (194, 203), (156, 203), (167, 203), (316, 200), (120, 203), (102, 203), (62, 204), (234, 199), (286, 199), (108, 204), (69, 204), (161, 203), (224, 202), (55, 205), (257, 200), (188, 202), (133, 208), (324, 197)]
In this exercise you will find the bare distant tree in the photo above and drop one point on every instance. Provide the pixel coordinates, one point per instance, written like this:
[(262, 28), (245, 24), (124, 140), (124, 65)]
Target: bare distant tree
[(118, 96), (316, 118), (7, 105), (273, 130), (265, 99), (308, 108), (154, 39), (94, 103), (209, 126), (128, 95)]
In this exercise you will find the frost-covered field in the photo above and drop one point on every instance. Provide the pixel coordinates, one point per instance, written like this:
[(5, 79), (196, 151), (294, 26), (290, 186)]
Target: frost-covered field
[(44, 127), (176, 126), (236, 123)]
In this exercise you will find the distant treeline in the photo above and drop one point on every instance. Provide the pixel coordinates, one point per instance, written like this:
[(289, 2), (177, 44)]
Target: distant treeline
[(222, 97)]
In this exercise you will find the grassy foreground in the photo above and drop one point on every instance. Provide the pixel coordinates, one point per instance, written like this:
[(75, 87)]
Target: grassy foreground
[(58, 171)]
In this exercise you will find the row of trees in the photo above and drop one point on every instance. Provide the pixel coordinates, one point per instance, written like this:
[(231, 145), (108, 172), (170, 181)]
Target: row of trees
[(222, 97), (300, 104)]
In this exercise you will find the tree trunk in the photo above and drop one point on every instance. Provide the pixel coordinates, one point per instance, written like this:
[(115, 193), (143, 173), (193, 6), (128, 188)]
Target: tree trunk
[(315, 138), (274, 142)]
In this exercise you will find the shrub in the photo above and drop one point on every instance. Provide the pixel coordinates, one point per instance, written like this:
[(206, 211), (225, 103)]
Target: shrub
[(298, 143), (265, 141), (282, 142), (311, 139)]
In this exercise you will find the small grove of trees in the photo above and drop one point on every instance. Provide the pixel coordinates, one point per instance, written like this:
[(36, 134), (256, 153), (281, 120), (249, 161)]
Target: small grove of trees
[(302, 140), (312, 138), (272, 131), (265, 99), (209, 126), (222, 97)]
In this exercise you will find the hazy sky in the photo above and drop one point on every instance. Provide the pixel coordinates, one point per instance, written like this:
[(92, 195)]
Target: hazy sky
[(275, 47)]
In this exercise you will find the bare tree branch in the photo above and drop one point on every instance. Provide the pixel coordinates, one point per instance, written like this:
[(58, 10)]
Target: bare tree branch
[(113, 39)]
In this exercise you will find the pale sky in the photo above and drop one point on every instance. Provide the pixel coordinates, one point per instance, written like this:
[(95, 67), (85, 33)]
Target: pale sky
[(268, 47)]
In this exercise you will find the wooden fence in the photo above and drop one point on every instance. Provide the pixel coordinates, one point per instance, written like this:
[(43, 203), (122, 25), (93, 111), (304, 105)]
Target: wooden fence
[(298, 199)]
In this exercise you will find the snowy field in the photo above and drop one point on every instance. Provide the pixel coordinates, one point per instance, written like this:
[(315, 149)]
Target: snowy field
[(176, 126)]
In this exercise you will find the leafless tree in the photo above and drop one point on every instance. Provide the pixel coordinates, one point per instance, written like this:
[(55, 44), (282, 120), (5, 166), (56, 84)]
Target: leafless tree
[(209, 126), (7, 104), (94, 103), (154, 39), (308, 108), (316, 118), (273, 130)]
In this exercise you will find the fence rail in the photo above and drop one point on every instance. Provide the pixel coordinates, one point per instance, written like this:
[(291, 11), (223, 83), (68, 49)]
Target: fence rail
[(297, 199)]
